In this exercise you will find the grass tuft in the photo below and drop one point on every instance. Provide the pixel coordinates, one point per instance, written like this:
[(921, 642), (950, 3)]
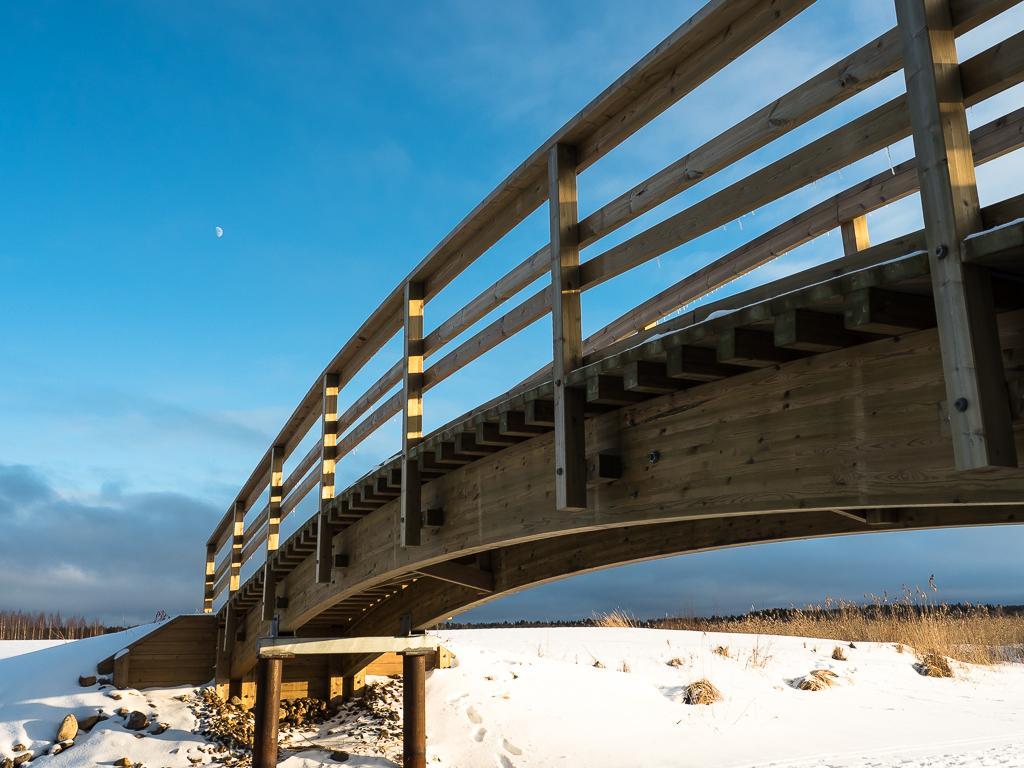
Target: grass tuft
[(702, 692), (934, 665), (838, 654), (816, 680)]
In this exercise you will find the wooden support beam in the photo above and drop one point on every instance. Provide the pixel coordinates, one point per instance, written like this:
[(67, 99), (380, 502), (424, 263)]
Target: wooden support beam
[(605, 389), (467, 443), (1000, 247), (650, 377), (487, 433), (980, 423), (446, 453), (210, 570), (812, 331), (275, 497), (604, 467), (877, 310), (855, 235), (697, 364), (566, 315), (237, 542), (328, 465), (745, 346), (412, 414)]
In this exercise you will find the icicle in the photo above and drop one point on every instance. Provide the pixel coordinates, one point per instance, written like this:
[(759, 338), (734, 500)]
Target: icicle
[(888, 154), (740, 222)]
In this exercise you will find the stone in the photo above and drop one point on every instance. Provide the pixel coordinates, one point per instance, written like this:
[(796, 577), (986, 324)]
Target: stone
[(19, 747), (122, 711), (6, 762), (159, 728), (22, 759), (68, 728), (88, 723), (124, 762), (87, 681), (339, 756), (114, 695), (105, 681), (136, 721), (56, 749)]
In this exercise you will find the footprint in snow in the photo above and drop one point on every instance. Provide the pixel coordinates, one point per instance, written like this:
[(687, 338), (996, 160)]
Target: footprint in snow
[(474, 716), (511, 748), (479, 734), (504, 762)]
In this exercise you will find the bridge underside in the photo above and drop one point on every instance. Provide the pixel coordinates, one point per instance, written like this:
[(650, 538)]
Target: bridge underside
[(830, 443)]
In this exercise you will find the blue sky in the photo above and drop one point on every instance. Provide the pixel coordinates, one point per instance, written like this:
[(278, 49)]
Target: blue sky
[(147, 363)]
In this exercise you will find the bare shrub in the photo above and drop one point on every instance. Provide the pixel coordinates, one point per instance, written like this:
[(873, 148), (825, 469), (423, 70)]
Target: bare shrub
[(722, 650), (675, 661), (702, 692), (759, 657), (838, 653)]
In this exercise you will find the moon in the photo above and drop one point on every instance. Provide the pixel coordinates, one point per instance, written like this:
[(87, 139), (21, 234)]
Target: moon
[(219, 231)]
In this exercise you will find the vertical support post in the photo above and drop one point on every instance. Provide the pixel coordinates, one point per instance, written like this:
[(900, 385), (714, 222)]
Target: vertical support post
[(237, 540), (972, 363), (328, 459), (275, 497), (855, 235), (414, 719), (208, 578), (567, 335), (268, 703), (412, 414)]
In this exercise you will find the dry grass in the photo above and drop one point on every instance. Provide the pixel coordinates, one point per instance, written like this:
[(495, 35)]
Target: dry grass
[(838, 654), (934, 665), (675, 661), (702, 692), (816, 680), (722, 650), (615, 620), (975, 634)]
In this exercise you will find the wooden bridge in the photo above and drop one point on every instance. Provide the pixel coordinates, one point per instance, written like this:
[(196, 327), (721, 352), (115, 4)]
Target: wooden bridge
[(881, 391)]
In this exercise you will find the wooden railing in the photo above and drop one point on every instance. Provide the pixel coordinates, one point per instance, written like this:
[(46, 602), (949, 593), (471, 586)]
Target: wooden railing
[(922, 44)]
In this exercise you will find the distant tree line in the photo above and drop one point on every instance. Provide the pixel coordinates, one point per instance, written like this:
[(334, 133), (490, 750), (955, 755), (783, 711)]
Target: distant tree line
[(27, 625)]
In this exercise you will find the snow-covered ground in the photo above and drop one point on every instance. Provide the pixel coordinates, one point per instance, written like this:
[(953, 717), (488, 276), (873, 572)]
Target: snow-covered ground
[(589, 696)]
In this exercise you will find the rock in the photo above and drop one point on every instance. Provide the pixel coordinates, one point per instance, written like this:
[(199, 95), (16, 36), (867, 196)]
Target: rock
[(87, 681), (234, 701), (19, 747), (339, 755), (114, 695), (68, 728), (136, 721), (88, 723), (6, 762), (159, 728), (67, 743), (22, 759), (56, 749), (122, 711), (124, 762), (105, 681)]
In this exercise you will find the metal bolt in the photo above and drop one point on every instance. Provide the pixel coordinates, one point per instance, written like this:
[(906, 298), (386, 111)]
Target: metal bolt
[(654, 457), (960, 404), (941, 251), (559, 470)]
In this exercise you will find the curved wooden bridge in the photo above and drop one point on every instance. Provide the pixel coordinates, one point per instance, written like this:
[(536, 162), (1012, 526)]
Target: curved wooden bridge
[(881, 391)]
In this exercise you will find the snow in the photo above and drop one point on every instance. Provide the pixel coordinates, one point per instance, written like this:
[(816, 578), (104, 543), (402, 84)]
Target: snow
[(532, 698)]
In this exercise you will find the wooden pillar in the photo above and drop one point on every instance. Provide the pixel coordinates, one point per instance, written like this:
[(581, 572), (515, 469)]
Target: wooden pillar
[(275, 497), (979, 410), (328, 457), (414, 720), (237, 540), (567, 333), (208, 578), (412, 414), (268, 702), (855, 235)]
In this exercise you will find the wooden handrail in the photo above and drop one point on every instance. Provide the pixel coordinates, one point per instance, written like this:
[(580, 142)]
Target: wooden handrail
[(722, 30)]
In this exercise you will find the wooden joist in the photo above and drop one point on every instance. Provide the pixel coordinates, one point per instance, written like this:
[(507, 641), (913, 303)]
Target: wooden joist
[(650, 377), (754, 348), (570, 456), (878, 310), (810, 331)]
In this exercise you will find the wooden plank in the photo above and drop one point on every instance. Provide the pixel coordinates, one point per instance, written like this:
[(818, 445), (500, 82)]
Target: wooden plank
[(412, 415), (855, 235), (1002, 247), (980, 423), (209, 578), (328, 460), (567, 333), (237, 534), (287, 647)]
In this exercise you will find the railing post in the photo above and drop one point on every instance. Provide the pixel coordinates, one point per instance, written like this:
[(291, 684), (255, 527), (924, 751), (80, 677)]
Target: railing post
[(412, 413), (208, 579), (328, 457), (855, 235), (567, 333), (237, 540), (274, 498), (979, 410)]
